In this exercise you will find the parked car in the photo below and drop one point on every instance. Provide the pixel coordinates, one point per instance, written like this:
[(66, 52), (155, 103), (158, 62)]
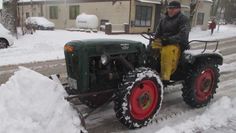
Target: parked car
[(6, 38), (39, 23), (222, 22)]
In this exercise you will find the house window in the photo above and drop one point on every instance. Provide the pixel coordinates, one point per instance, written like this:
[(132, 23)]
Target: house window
[(143, 16), (74, 11), (200, 18), (53, 10)]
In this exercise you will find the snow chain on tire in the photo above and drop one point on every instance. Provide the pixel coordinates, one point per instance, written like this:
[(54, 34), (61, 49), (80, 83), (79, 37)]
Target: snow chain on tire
[(130, 90), (189, 90)]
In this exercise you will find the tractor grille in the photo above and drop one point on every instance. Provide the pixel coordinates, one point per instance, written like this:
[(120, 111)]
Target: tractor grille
[(102, 76), (72, 64)]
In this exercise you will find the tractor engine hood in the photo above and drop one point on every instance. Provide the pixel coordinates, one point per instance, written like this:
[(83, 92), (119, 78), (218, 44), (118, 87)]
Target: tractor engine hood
[(101, 46)]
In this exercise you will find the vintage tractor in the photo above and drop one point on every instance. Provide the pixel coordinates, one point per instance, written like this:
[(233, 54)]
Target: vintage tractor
[(127, 73)]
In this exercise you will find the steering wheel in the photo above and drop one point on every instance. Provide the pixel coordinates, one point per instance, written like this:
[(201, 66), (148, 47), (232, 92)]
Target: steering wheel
[(148, 36)]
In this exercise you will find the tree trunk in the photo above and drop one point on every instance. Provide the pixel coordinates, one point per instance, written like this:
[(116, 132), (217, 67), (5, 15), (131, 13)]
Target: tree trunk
[(9, 16)]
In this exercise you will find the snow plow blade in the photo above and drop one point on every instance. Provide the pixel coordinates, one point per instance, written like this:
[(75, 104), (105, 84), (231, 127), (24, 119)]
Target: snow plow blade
[(56, 78)]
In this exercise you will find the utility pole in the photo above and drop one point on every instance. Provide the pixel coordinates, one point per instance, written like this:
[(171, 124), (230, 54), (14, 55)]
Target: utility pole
[(65, 21), (9, 16), (193, 11), (15, 17), (31, 7)]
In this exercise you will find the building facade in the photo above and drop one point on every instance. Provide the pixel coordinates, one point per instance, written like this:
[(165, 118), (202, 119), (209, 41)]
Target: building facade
[(202, 13), (64, 12), (140, 15)]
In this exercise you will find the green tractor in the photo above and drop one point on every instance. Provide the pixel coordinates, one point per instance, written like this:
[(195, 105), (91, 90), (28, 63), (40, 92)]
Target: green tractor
[(127, 73)]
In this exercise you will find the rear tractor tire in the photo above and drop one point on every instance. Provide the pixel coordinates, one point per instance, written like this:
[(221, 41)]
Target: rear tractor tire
[(200, 84), (138, 98)]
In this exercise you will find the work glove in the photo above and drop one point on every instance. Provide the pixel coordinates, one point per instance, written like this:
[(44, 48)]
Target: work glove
[(164, 41)]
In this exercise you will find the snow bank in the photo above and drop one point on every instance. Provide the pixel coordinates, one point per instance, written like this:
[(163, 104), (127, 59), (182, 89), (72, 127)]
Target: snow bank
[(32, 103), (214, 116), (3, 30)]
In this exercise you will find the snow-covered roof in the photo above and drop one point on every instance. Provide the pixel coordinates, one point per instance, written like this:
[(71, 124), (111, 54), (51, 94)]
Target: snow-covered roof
[(26, 1), (20, 1), (207, 0), (150, 1), (159, 2)]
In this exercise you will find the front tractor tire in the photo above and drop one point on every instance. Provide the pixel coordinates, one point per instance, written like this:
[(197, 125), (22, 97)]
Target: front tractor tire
[(138, 98), (200, 84)]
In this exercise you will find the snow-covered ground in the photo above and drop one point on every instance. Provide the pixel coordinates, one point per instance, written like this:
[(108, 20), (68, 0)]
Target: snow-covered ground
[(32, 103), (48, 45), (215, 116)]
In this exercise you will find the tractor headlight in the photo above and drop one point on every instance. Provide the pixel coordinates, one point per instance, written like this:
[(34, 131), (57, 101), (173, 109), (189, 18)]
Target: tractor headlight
[(104, 59)]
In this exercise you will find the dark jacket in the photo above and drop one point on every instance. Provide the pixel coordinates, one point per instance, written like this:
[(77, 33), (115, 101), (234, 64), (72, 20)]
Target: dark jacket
[(174, 30), (212, 25)]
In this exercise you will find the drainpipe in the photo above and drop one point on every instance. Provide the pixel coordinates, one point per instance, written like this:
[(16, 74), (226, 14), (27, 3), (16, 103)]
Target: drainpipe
[(65, 17), (46, 13), (130, 2)]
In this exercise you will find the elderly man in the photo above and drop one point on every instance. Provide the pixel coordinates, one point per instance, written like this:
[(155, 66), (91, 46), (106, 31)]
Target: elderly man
[(173, 30)]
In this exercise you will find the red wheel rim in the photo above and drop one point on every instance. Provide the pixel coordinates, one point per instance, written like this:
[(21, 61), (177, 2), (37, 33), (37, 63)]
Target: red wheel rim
[(143, 99), (204, 84)]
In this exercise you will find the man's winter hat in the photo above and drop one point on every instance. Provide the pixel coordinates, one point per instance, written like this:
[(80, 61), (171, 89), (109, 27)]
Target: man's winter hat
[(174, 4)]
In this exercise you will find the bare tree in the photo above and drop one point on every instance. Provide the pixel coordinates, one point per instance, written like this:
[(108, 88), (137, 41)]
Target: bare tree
[(230, 12), (215, 7), (9, 16), (193, 9)]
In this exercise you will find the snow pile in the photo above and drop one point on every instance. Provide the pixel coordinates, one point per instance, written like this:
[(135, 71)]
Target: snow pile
[(214, 116), (32, 103), (3, 30)]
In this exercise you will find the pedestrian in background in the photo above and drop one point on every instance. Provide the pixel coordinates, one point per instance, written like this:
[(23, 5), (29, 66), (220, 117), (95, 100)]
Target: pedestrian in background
[(212, 26)]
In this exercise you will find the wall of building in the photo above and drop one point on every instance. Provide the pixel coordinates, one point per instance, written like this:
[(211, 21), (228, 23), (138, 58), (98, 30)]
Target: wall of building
[(35, 10), (61, 21), (204, 7), (135, 29), (117, 14)]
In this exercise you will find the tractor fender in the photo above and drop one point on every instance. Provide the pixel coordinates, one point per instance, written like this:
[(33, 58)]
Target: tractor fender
[(192, 58)]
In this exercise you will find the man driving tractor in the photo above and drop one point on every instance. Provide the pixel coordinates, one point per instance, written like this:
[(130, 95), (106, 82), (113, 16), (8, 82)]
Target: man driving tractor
[(173, 32), (127, 73)]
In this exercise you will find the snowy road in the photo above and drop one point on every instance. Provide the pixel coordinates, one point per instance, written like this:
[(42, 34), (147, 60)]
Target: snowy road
[(46, 68), (227, 47)]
